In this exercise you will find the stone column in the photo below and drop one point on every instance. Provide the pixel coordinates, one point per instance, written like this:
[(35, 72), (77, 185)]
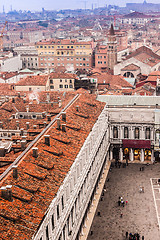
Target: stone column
[(152, 156), (111, 153), (121, 154), (142, 155), (131, 156)]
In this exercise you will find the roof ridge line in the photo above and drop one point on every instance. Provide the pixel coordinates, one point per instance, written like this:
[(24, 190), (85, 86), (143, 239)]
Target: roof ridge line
[(17, 160)]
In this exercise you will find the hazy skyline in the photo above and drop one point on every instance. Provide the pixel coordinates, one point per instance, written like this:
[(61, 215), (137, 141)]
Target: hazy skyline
[(61, 4)]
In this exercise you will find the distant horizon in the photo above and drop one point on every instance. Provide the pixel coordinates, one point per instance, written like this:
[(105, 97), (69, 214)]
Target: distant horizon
[(61, 4)]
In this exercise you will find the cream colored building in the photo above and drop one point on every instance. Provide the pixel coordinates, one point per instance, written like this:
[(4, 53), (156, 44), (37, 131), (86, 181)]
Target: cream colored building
[(51, 82), (67, 53)]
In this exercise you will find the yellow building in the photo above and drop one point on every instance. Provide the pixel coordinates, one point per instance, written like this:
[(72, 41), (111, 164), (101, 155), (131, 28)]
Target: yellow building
[(66, 52)]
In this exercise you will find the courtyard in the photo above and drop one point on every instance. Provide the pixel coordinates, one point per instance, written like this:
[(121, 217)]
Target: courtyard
[(141, 213)]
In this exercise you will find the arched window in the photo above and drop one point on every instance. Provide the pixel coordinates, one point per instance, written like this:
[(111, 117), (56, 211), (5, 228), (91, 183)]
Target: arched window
[(136, 133), (125, 132), (148, 133), (115, 132), (128, 75)]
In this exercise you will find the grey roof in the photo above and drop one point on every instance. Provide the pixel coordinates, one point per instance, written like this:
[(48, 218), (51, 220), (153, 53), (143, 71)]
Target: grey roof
[(114, 100)]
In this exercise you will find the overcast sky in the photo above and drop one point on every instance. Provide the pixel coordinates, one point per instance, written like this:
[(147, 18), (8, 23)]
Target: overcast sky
[(60, 4)]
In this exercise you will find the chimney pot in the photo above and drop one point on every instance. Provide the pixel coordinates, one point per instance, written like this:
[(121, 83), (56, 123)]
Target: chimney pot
[(27, 108), (77, 108), (60, 103), (47, 140), (63, 127), (49, 118), (19, 95), (2, 151), (15, 172), (43, 114), (58, 123), (22, 131), (9, 192), (27, 125), (35, 152), (34, 126), (1, 125), (64, 116), (45, 124), (23, 145), (17, 125), (13, 100), (3, 192)]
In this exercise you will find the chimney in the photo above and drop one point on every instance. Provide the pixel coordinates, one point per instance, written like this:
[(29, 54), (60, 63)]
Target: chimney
[(47, 140), (48, 97), (2, 151), (43, 114), (9, 192), (17, 125), (13, 116), (3, 192), (15, 172), (64, 116), (49, 118), (63, 127), (35, 152), (34, 126), (27, 125), (6, 192), (1, 125), (13, 100), (19, 95), (60, 103), (77, 108), (27, 108), (22, 131), (23, 145), (45, 124), (58, 123)]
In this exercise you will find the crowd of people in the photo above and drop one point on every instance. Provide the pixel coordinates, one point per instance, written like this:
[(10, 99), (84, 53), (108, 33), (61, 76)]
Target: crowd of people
[(135, 236)]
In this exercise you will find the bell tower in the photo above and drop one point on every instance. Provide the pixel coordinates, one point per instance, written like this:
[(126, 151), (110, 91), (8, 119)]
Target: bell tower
[(112, 49)]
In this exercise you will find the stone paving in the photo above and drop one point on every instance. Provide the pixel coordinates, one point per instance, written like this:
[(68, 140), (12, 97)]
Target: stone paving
[(139, 215)]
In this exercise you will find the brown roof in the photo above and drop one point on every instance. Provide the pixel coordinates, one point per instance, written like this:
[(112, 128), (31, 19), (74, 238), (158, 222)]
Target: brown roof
[(130, 67), (40, 178), (145, 55), (38, 80)]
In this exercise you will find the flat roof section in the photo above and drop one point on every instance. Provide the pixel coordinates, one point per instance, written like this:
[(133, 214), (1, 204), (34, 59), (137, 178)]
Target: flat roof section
[(129, 100)]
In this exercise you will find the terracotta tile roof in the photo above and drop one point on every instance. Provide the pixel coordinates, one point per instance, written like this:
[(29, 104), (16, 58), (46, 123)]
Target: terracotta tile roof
[(113, 80), (37, 80), (145, 55), (130, 67), (40, 178)]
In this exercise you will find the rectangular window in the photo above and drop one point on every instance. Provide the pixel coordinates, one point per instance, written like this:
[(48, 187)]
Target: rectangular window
[(70, 86), (51, 81), (62, 199), (52, 220), (51, 87), (47, 233), (58, 207), (66, 86), (60, 86)]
